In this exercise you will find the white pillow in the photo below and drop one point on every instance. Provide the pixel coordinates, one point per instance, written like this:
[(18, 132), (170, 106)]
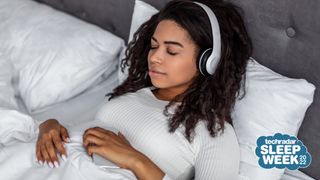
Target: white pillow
[(7, 94), (57, 56), (273, 104), (141, 13)]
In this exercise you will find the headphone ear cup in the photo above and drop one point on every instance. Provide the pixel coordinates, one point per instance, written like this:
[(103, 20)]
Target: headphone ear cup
[(203, 61)]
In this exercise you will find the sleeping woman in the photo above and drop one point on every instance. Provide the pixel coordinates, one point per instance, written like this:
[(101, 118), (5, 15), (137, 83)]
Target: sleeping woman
[(173, 110)]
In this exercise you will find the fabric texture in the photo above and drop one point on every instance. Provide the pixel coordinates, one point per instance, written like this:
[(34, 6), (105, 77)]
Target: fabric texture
[(139, 117), (7, 93), (14, 125), (56, 55), (272, 104)]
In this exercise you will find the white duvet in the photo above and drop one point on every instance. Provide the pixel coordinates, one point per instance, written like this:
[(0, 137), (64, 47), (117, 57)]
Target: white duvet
[(18, 133)]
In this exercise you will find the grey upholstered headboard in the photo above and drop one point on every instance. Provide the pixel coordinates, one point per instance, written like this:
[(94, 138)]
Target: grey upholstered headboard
[(286, 38), (285, 34)]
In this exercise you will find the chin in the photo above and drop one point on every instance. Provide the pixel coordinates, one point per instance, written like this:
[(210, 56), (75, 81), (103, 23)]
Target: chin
[(159, 84)]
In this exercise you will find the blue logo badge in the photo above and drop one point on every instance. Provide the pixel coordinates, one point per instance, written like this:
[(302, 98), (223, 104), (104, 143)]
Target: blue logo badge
[(282, 151)]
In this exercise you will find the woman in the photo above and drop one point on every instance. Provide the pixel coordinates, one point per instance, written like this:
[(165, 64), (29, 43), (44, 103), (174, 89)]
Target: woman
[(173, 121)]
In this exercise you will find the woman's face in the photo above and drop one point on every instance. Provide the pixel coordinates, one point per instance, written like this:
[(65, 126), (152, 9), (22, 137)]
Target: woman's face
[(172, 57)]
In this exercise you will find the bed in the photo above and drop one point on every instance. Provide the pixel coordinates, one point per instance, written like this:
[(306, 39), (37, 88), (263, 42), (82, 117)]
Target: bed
[(285, 39)]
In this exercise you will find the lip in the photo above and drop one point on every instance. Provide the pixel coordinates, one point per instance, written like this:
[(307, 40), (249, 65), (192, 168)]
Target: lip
[(155, 73)]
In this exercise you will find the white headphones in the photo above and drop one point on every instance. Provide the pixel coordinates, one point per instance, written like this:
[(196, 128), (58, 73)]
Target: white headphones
[(210, 58)]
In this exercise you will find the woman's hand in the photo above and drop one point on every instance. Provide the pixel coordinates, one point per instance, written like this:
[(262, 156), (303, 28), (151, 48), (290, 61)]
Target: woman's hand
[(109, 145), (116, 148), (50, 140)]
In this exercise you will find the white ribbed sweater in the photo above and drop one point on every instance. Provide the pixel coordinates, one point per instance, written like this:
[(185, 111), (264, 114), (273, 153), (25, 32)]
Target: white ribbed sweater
[(139, 116)]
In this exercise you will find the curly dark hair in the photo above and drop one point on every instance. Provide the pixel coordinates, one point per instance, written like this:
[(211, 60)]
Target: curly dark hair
[(208, 98)]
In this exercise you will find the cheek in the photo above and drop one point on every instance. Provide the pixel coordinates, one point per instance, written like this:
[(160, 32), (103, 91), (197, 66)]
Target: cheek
[(183, 72), (148, 57)]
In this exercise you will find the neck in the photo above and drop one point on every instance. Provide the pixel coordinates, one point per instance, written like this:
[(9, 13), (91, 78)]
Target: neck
[(167, 94)]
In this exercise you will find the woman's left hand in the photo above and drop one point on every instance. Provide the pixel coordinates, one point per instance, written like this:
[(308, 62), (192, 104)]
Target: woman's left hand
[(114, 147), (117, 148)]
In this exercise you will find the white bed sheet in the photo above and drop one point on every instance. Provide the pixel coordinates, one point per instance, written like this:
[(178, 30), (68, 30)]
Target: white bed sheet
[(79, 109)]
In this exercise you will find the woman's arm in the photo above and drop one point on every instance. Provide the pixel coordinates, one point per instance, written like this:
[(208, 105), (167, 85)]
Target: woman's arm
[(117, 149), (145, 169), (219, 156)]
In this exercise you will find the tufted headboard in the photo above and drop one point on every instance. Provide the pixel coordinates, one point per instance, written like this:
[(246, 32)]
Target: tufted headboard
[(285, 35), (286, 38)]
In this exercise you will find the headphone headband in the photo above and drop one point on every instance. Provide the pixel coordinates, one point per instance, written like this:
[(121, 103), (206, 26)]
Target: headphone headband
[(214, 58)]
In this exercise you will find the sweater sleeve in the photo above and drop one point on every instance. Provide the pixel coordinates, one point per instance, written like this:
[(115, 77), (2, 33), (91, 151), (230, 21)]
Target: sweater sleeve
[(218, 157)]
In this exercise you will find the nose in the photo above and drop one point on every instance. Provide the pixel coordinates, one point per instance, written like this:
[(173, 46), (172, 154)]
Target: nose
[(155, 56)]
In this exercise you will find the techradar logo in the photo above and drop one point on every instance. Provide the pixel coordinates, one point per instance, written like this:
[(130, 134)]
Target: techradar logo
[(282, 151)]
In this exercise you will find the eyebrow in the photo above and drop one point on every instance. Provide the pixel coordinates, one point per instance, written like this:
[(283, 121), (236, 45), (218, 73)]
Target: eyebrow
[(169, 42)]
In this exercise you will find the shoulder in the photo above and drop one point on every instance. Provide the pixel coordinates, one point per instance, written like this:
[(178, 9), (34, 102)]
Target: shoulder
[(202, 132)]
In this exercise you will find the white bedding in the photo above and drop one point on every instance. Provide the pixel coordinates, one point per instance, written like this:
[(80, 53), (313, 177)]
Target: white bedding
[(78, 165), (81, 108), (21, 154), (56, 56)]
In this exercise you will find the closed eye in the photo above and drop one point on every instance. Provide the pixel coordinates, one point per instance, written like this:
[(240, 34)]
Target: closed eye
[(172, 53)]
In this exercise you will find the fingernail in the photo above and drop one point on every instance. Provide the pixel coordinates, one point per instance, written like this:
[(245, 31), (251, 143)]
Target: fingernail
[(56, 164), (50, 165), (68, 140), (64, 157), (41, 163)]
